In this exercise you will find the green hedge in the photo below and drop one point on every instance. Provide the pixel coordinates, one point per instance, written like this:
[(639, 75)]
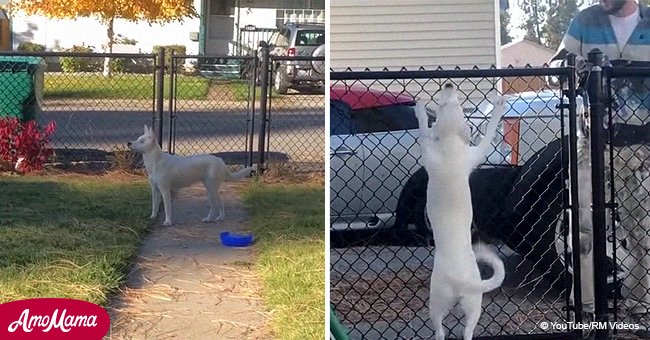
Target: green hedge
[(178, 50), (80, 64), (27, 46)]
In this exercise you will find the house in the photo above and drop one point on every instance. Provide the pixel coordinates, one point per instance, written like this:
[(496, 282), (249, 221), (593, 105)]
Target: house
[(218, 30), (419, 33), (521, 53), (525, 52)]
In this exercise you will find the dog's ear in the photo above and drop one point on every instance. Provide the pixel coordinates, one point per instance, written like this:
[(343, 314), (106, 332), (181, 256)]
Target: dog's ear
[(146, 129)]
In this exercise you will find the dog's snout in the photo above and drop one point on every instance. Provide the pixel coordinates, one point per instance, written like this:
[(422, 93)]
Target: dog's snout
[(128, 143)]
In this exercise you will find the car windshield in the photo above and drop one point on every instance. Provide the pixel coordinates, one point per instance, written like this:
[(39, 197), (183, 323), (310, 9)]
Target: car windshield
[(280, 38), (310, 38), (396, 117)]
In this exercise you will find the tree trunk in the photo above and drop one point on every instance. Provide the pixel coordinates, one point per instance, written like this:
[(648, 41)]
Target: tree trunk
[(109, 48)]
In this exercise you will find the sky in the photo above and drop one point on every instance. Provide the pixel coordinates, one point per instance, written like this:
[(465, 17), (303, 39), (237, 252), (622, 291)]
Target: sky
[(517, 18)]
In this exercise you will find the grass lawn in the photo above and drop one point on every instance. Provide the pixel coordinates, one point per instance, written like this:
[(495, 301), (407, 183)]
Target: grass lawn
[(120, 86), (289, 224), (68, 236), (240, 90)]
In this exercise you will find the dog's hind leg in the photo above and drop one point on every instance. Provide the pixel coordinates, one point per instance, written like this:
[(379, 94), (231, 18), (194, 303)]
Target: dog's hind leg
[(215, 202), (212, 198), (436, 319), (471, 305), (441, 300), (222, 209)]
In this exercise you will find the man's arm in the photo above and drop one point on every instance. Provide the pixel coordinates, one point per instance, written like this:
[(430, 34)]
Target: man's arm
[(571, 42), (561, 54)]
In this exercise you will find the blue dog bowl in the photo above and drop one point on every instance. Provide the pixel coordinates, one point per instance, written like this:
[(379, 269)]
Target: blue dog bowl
[(235, 240)]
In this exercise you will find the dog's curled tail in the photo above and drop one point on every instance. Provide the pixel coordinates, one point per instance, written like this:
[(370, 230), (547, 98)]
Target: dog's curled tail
[(241, 174), (484, 254)]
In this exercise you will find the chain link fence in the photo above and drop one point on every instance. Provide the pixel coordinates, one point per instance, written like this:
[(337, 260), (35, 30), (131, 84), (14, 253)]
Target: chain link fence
[(296, 121), (627, 164), (543, 177), (382, 247), (197, 104), (95, 115), (212, 107)]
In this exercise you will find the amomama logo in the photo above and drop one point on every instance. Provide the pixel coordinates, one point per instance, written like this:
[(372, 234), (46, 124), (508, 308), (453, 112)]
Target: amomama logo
[(52, 318)]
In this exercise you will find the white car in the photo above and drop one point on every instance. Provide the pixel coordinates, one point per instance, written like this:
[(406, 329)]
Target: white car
[(374, 150)]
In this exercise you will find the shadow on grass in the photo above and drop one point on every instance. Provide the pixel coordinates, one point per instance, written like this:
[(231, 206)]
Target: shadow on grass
[(68, 236)]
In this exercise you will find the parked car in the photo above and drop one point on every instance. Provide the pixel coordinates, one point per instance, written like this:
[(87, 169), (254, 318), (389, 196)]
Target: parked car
[(373, 148), (298, 40)]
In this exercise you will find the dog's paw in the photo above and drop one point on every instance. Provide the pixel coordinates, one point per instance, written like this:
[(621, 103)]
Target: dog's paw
[(153, 217), (499, 103), (421, 114), (211, 219), (167, 224)]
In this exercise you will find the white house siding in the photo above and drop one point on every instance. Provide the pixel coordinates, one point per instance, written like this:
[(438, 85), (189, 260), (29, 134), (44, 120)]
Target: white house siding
[(428, 33), (412, 34)]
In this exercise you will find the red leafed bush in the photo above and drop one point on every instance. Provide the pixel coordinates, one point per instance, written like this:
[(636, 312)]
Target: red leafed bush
[(25, 144)]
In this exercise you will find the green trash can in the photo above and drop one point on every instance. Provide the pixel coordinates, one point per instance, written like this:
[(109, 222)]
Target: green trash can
[(21, 86)]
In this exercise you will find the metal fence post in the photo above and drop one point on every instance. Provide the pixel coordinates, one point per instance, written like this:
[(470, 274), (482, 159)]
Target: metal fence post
[(264, 87), (596, 113), (172, 114), (571, 94), (160, 85), (251, 117)]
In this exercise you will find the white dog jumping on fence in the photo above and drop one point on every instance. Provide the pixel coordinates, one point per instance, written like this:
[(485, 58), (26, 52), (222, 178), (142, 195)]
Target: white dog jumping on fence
[(168, 172), (449, 159)]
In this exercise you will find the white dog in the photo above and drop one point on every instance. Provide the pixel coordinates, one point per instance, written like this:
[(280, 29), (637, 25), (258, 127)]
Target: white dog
[(168, 172), (449, 159)]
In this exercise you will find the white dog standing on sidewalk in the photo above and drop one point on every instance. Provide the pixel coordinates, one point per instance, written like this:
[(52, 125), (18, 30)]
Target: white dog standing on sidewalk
[(168, 172), (449, 160)]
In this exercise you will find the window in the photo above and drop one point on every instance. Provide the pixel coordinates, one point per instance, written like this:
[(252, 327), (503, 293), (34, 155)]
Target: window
[(222, 7), (379, 119), (310, 38), (340, 123), (384, 119), (280, 38)]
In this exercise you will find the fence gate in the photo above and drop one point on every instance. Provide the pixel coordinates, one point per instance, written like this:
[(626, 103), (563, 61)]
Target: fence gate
[(293, 112), (212, 106), (626, 164)]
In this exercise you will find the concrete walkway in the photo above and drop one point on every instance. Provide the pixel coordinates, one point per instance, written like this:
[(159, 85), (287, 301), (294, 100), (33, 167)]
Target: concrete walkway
[(185, 284)]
